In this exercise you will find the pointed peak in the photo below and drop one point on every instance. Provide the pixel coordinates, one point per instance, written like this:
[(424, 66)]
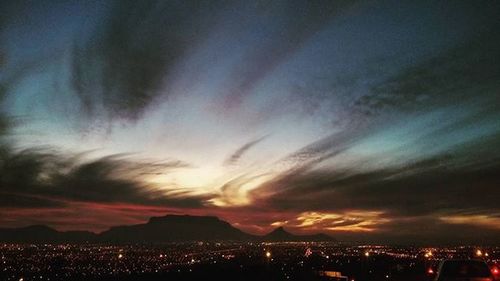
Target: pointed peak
[(280, 229)]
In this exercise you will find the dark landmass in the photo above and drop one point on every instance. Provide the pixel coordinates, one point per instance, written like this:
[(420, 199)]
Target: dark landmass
[(280, 234), (44, 234), (170, 228)]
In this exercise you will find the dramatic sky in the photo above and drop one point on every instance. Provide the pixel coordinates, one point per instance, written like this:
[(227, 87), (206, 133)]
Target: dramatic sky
[(368, 121)]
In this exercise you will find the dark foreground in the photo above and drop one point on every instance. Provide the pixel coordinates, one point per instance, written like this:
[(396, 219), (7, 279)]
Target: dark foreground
[(227, 261)]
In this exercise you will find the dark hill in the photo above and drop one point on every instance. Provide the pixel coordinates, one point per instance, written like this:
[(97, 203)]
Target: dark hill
[(280, 234), (175, 228), (44, 234), (170, 228)]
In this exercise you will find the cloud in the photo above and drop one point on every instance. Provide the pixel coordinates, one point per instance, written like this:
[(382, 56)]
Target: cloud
[(235, 191), (439, 155), (432, 172), (351, 221), (454, 76), (294, 23), (236, 155), (122, 66), (46, 179), (420, 188), (21, 201), (484, 220)]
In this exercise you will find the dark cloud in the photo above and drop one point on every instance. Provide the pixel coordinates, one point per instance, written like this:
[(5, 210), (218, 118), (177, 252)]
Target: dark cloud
[(459, 75), (448, 182), (236, 155), (36, 178), (413, 197), (13, 200), (381, 87), (407, 204), (297, 21), (123, 64)]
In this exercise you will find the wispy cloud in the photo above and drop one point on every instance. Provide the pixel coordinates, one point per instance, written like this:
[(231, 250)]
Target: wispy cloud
[(236, 155)]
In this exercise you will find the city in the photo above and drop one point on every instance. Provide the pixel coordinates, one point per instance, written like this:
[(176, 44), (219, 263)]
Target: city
[(231, 261)]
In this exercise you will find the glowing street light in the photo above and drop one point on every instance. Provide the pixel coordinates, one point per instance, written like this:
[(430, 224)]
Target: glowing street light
[(479, 253), (268, 254), (367, 254), (120, 256)]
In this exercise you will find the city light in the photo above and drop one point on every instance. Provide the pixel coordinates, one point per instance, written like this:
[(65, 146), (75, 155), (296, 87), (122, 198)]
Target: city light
[(479, 253), (181, 259)]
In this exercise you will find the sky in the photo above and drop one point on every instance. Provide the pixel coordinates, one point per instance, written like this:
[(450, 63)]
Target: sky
[(367, 121)]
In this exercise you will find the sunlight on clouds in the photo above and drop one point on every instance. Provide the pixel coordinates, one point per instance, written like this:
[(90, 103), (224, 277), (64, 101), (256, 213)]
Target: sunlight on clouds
[(488, 221), (196, 177), (279, 223), (237, 192), (357, 221)]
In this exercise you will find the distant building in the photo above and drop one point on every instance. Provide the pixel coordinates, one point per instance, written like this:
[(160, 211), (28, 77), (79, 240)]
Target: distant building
[(332, 275)]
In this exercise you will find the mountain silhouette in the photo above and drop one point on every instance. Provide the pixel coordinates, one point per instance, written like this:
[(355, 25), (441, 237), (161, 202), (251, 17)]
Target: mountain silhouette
[(44, 234), (169, 228), (175, 228), (280, 234)]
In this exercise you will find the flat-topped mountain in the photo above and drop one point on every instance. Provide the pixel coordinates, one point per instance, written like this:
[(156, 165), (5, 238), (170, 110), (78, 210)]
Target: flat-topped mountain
[(175, 228), (169, 228)]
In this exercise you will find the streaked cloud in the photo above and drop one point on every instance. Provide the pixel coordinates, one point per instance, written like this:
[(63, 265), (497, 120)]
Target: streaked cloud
[(236, 155), (488, 221), (356, 221)]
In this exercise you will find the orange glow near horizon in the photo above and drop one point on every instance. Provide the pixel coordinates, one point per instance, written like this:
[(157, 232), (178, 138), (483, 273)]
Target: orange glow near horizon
[(492, 222), (355, 221)]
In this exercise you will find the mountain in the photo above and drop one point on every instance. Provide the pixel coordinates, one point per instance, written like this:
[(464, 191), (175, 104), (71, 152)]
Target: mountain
[(280, 234), (175, 228), (170, 228), (44, 234)]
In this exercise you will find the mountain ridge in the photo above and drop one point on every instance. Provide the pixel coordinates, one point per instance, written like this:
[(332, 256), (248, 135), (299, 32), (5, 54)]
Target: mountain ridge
[(168, 228)]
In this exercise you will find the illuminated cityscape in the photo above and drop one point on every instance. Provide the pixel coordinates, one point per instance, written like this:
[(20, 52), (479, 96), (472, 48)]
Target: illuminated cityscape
[(227, 261)]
